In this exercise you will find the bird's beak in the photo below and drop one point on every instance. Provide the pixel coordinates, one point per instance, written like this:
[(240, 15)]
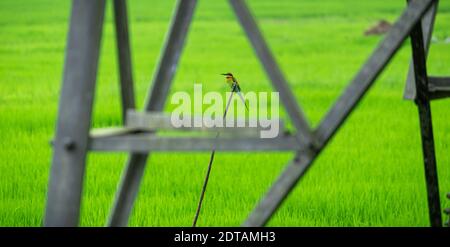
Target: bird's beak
[(223, 74)]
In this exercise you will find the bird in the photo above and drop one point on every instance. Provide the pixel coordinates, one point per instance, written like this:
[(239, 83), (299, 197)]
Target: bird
[(234, 85)]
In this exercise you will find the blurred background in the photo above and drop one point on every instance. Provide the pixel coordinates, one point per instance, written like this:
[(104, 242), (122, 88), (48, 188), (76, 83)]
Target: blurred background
[(370, 175)]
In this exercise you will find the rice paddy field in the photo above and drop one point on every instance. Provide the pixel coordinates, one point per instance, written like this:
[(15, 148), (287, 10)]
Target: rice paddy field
[(371, 174)]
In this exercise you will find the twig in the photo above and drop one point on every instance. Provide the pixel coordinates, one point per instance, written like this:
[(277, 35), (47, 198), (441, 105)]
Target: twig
[(202, 195)]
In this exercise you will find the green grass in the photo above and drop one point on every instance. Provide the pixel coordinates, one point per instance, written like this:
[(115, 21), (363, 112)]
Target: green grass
[(370, 175)]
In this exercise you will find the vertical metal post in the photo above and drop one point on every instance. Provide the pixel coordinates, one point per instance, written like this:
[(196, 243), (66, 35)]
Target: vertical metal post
[(426, 127), (74, 115), (124, 57), (132, 176), (427, 27)]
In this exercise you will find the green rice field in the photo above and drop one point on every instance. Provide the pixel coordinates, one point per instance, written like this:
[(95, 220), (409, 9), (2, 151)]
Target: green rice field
[(371, 174)]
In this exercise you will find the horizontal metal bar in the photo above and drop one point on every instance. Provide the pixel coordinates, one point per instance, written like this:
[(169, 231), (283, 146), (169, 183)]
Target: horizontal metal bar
[(436, 83), (142, 143), (152, 121), (114, 131), (225, 131), (438, 87)]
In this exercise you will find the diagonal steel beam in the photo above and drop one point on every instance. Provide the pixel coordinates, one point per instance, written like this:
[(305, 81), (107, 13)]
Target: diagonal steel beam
[(250, 27), (74, 114), (426, 126), (124, 57), (280, 189), (132, 176), (371, 69), (427, 27), (339, 112)]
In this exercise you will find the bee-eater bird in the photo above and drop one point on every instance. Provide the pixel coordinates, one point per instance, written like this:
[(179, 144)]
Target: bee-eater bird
[(234, 84), (235, 88)]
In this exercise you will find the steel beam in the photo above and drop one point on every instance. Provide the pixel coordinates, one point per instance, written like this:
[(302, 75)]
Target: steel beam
[(153, 121), (426, 126), (339, 112), (124, 57), (143, 143), (277, 78), (427, 27), (280, 189), (165, 71), (438, 87), (74, 115)]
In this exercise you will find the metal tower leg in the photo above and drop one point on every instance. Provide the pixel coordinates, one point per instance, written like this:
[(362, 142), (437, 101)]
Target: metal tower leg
[(132, 176), (74, 115), (427, 27), (124, 57), (426, 127)]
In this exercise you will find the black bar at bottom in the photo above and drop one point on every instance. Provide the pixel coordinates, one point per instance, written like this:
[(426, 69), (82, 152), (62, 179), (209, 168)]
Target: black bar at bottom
[(221, 236)]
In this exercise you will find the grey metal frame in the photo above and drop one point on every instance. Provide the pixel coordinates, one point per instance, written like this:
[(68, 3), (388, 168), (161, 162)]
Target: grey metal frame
[(161, 84), (427, 27), (124, 56), (273, 71), (426, 126), (74, 115), (73, 139)]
